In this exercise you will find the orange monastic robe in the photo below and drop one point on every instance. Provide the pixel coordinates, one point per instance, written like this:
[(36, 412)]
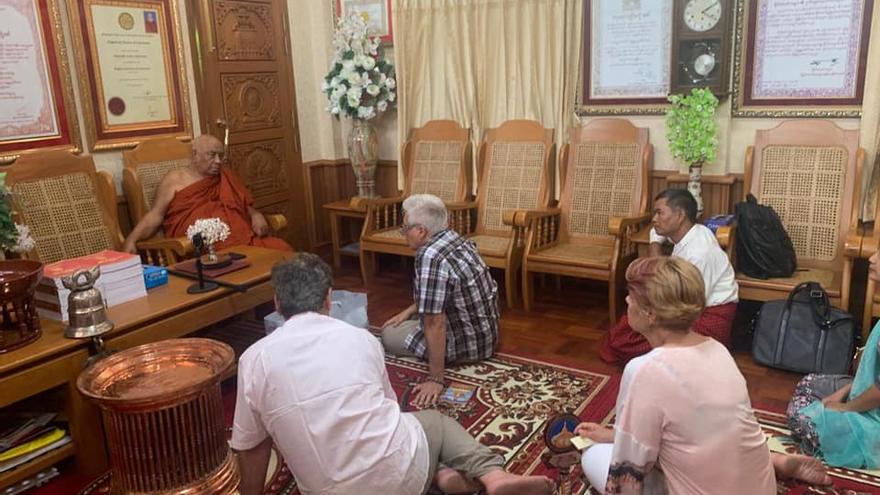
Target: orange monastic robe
[(222, 196)]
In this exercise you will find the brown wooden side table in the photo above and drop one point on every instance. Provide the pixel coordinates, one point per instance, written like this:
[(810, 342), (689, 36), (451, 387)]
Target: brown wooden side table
[(344, 208)]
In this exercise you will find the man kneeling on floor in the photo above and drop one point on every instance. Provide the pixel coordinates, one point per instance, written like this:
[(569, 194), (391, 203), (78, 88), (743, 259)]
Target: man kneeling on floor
[(318, 389), (455, 298), (675, 220)]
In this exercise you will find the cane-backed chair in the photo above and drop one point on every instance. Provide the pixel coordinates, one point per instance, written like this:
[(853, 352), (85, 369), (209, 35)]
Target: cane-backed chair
[(809, 172), (436, 160), (604, 201), (144, 168), (516, 161), (69, 207)]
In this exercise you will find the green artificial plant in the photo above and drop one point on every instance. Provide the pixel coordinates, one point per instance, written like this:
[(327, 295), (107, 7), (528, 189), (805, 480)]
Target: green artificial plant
[(8, 231), (690, 127)]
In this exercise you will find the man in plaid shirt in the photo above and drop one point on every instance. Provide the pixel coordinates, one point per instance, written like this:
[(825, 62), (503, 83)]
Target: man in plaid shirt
[(456, 299)]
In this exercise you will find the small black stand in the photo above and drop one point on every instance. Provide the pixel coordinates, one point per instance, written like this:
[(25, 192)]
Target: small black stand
[(200, 286)]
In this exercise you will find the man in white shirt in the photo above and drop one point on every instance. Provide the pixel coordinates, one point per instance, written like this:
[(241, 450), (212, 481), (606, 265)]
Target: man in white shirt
[(318, 388), (675, 221)]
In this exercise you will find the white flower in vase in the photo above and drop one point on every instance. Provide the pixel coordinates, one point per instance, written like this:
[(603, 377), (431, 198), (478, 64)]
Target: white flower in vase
[(213, 230), (25, 243)]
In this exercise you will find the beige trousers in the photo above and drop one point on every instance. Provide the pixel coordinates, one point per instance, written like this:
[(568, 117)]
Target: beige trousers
[(393, 338), (451, 446)]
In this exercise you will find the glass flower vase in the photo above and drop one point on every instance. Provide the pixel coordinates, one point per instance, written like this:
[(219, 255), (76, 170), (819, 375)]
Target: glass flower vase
[(363, 152)]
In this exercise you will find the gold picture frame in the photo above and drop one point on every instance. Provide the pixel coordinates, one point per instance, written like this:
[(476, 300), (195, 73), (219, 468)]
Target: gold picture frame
[(120, 44), (57, 127), (743, 104)]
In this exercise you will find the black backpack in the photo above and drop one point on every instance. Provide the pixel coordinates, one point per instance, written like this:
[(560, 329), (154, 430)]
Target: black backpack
[(763, 248)]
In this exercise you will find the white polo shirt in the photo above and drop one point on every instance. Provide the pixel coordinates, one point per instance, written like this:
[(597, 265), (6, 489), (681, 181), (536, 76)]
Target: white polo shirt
[(700, 247), (320, 389)]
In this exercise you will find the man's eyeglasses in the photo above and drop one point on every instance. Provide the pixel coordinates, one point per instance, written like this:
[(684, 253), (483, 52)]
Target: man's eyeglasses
[(407, 227)]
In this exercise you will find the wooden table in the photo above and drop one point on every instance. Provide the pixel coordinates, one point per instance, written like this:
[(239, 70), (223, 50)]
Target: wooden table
[(338, 210), (166, 312)]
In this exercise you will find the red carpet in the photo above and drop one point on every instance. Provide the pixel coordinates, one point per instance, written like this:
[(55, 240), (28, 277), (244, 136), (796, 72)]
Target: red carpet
[(513, 399)]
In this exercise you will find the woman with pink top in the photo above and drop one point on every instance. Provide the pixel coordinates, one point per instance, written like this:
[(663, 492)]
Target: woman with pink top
[(684, 421)]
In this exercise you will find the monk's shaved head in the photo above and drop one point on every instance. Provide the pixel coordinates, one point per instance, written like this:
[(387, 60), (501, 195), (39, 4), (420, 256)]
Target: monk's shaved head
[(207, 155)]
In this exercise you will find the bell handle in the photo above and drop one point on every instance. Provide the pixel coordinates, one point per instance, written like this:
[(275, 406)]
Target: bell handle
[(90, 276)]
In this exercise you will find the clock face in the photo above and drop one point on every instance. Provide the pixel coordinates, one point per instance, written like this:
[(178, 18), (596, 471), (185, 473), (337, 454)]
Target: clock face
[(704, 64), (702, 15)]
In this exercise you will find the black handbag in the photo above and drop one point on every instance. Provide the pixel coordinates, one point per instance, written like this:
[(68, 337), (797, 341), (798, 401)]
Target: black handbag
[(804, 333)]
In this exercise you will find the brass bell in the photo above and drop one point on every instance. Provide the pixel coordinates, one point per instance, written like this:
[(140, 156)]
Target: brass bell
[(87, 313)]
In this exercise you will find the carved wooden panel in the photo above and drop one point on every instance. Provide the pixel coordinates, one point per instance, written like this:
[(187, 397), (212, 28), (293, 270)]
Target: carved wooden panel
[(244, 31), (251, 101), (261, 166)]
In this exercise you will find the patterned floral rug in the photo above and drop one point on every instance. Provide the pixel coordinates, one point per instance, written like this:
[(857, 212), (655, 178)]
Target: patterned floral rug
[(846, 481), (513, 398)]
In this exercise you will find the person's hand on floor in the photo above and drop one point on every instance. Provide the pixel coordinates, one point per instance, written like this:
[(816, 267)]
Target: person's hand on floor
[(427, 394)]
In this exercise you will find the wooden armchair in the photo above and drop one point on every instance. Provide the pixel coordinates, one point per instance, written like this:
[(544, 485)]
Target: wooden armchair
[(69, 207), (145, 166), (436, 160), (604, 201), (516, 161), (809, 171)]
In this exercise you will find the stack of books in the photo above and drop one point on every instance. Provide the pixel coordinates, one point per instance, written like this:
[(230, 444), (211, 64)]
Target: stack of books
[(28, 439), (121, 280)]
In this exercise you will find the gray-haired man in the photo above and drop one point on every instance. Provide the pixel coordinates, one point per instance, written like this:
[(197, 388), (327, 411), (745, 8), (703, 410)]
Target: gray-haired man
[(454, 296)]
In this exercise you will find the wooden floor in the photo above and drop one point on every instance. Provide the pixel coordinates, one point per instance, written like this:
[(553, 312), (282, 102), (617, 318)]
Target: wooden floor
[(565, 325)]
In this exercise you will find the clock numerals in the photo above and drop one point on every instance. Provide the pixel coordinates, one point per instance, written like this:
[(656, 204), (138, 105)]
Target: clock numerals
[(702, 15)]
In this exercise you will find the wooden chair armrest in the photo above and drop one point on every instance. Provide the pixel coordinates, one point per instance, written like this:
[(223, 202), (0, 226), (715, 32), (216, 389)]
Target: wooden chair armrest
[(276, 221), (725, 235), (618, 225), (858, 246), (164, 251), (363, 204), (524, 218)]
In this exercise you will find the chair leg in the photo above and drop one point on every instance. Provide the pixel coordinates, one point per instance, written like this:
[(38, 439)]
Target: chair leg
[(613, 300), (527, 289), (510, 287), (368, 265)]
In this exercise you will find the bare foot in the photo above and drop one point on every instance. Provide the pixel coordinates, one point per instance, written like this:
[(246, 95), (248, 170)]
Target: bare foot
[(500, 482), (451, 481), (801, 467)]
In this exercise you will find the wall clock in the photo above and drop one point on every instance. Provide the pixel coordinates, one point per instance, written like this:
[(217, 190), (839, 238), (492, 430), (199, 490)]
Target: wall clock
[(701, 45)]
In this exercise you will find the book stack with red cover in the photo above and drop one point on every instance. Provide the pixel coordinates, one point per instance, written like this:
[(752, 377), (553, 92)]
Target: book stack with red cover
[(121, 280)]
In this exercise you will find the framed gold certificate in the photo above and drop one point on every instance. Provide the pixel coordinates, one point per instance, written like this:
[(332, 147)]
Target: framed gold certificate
[(36, 97), (130, 58)]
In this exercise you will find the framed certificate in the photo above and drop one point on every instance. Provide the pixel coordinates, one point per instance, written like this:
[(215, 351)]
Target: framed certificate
[(133, 82), (801, 62), (36, 94), (376, 12), (626, 51)]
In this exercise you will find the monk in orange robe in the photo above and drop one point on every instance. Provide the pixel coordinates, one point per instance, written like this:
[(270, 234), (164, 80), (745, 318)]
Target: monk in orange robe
[(205, 189)]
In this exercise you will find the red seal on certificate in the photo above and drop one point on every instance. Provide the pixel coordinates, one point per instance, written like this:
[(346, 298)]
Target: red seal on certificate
[(116, 105)]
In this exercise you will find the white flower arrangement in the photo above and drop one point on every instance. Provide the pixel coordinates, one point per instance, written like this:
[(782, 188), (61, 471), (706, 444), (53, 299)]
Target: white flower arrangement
[(213, 230), (359, 85), (24, 243)]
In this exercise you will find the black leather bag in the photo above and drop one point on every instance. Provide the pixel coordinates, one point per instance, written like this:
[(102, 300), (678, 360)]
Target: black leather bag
[(804, 333)]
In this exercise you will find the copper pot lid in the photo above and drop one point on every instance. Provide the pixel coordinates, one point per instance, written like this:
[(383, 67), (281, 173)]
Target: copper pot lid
[(156, 375)]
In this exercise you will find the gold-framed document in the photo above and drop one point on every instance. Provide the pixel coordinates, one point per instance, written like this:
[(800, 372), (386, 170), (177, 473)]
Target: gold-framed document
[(131, 74), (37, 109), (625, 60), (796, 59)]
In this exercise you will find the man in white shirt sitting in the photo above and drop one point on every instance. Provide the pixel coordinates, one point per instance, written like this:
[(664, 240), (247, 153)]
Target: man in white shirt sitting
[(318, 388), (675, 220)]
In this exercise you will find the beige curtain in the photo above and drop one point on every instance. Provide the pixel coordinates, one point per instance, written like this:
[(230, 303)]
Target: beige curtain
[(483, 62)]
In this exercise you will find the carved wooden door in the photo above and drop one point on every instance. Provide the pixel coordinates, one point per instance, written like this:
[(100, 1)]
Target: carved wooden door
[(246, 93)]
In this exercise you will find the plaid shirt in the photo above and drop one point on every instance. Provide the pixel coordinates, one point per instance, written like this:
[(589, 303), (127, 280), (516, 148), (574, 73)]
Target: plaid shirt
[(451, 278)]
